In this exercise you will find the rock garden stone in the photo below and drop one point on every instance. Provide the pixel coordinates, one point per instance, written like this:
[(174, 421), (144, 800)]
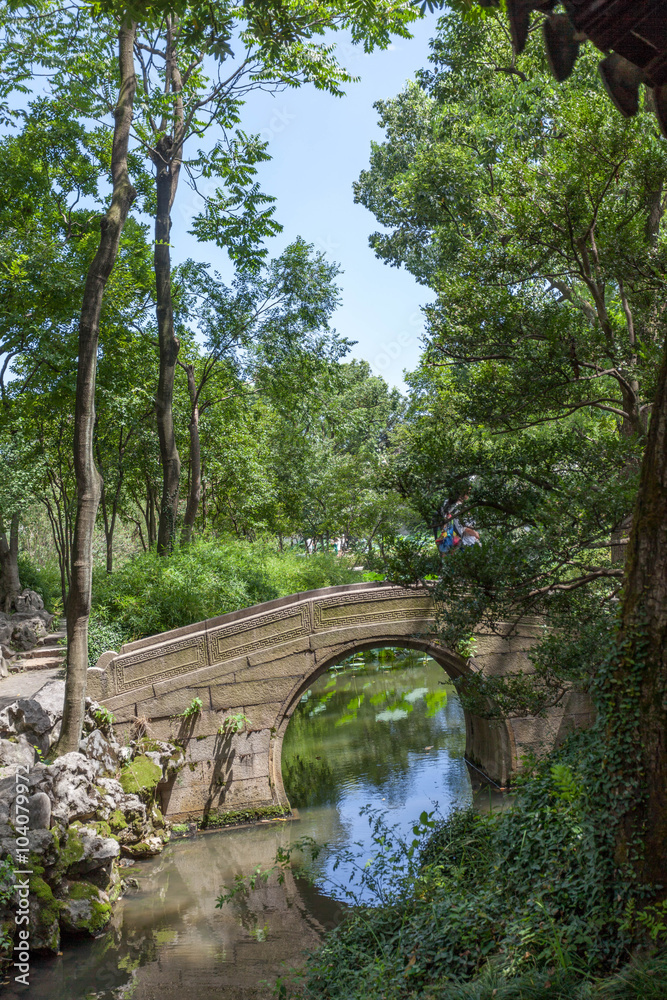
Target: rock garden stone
[(27, 632), (44, 917), (70, 784), (89, 850), (97, 747), (81, 816), (17, 751), (51, 697), (84, 908), (39, 808), (27, 716), (28, 601)]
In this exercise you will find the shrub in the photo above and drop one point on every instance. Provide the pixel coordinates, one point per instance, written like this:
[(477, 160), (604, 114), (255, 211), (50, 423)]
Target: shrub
[(104, 635), (152, 594), (45, 580), (526, 903)]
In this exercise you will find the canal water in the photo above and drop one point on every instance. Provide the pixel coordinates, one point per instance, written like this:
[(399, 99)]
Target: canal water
[(384, 730)]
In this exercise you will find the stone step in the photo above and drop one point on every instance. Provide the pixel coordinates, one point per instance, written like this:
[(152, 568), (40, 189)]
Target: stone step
[(52, 639), (39, 651), (46, 662)]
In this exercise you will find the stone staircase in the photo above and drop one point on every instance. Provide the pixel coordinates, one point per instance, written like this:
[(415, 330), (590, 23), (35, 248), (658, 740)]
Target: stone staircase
[(46, 655)]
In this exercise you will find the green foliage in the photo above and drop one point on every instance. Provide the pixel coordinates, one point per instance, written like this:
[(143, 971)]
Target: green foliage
[(498, 188), (104, 635), (521, 902), (194, 708), (140, 776), (466, 647), (44, 579), (232, 817), (233, 724), (103, 717), (152, 594)]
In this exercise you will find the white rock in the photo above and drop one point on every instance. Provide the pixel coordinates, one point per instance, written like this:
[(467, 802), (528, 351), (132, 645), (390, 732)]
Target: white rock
[(97, 747), (19, 752)]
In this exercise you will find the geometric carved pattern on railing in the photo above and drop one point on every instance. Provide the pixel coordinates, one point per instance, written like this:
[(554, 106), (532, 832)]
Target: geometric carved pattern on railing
[(362, 609), (265, 630), (215, 642), (146, 665)]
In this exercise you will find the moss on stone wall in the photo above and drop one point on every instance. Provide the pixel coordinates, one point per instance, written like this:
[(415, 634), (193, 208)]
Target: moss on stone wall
[(72, 849), (94, 915), (140, 775), (117, 821), (48, 907), (232, 817)]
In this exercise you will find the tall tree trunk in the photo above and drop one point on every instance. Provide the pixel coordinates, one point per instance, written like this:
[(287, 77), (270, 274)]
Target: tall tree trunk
[(10, 583), (108, 527), (167, 160), (169, 347), (194, 492), (110, 514), (88, 479), (638, 695)]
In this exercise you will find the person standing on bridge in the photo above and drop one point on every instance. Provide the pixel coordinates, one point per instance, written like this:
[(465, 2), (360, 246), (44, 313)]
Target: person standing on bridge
[(454, 535)]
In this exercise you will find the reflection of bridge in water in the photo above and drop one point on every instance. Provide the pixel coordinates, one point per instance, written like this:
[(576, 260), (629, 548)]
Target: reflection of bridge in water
[(260, 661)]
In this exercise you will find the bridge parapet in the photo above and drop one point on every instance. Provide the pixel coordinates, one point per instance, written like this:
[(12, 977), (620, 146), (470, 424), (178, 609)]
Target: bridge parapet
[(259, 662)]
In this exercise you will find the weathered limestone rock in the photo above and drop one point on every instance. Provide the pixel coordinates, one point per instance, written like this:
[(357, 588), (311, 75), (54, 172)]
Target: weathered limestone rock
[(27, 631), (26, 716), (88, 850), (5, 629), (70, 784), (145, 848), (39, 809), (29, 601), (15, 752), (102, 750), (84, 908), (51, 697), (79, 815), (44, 917), (29, 623)]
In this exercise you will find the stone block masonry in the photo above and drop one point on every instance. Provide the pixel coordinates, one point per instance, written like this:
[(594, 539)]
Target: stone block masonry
[(260, 661)]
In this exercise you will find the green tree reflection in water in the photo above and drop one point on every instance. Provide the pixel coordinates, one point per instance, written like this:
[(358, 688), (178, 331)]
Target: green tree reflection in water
[(384, 726)]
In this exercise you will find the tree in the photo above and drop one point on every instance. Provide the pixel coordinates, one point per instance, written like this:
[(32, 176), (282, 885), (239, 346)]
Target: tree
[(88, 480), (271, 326), (326, 459), (180, 102), (536, 214), (46, 173), (555, 210)]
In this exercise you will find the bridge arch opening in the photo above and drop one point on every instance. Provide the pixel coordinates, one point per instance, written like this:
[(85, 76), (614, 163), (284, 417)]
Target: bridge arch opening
[(488, 743)]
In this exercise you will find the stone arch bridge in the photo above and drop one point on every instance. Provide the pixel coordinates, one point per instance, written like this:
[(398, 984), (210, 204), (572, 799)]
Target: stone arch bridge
[(261, 660)]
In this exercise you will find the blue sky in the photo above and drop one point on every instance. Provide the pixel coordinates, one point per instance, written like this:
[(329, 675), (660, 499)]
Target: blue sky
[(319, 145)]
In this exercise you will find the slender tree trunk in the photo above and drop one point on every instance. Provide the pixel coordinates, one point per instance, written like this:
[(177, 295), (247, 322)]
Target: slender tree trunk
[(642, 665), (10, 583), (109, 516), (108, 530), (88, 479), (167, 160), (109, 541), (194, 492), (149, 515), (169, 347)]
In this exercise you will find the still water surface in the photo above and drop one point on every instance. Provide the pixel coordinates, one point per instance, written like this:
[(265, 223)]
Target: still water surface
[(381, 730)]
